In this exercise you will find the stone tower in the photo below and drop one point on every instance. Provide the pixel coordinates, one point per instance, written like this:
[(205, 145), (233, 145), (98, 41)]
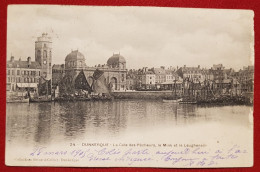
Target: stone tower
[(43, 55)]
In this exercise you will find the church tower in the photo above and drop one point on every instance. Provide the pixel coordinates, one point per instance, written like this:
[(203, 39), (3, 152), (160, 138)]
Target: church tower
[(43, 55)]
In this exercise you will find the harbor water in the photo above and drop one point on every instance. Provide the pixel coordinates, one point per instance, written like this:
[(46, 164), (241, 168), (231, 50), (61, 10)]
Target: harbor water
[(46, 123)]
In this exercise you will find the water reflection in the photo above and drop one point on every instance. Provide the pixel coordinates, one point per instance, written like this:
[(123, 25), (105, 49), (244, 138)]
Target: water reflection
[(45, 123)]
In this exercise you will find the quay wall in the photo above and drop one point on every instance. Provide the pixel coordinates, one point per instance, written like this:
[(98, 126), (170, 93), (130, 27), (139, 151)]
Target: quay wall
[(142, 94)]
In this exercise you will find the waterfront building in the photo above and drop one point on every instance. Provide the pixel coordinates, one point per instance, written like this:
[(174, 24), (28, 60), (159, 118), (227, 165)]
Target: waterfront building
[(160, 74), (130, 83), (191, 73), (169, 77), (245, 77), (22, 75), (148, 79), (132, 79), (25, 75), (114, 71)]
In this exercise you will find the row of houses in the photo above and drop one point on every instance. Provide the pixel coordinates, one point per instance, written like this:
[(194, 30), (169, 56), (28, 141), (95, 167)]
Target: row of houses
[(164, 79)]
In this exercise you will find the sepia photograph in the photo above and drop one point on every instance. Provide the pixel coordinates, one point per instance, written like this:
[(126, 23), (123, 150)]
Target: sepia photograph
[(110, 86)]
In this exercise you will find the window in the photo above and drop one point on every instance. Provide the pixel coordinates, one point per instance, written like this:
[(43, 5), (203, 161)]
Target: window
[(39, 73), (8, 79), (39, 55), (18, 72), (12, 72), (8, 73), (123, 77), (44, 54)]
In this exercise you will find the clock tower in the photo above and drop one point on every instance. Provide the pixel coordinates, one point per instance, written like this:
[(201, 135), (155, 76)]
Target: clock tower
[(43, 55)]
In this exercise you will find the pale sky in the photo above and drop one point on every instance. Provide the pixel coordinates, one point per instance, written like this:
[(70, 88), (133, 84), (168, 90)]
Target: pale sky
[(145, 36)]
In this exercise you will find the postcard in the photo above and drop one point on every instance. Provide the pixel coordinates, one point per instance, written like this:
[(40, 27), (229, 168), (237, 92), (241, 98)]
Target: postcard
[(99, 86)]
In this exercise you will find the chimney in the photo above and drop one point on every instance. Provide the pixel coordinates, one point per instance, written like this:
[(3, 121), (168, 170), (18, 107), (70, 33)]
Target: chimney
[(198, 66), (162, 67), (12, 58), (184, 66), (29, 60)]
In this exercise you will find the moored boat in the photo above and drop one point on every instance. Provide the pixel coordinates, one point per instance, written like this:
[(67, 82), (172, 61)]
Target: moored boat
[(17, 100), (17, 97), (41, 99), (172, 100), (188, 102)]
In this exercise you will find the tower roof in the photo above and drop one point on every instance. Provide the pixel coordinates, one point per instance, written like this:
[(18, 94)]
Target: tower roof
[(74, 56), (115, 59)]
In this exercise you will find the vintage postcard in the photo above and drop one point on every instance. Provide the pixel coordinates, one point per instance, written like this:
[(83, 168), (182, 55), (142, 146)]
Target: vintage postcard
[(93, 86)]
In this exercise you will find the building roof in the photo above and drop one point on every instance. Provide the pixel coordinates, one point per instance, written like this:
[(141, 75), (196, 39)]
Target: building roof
[(169, 72), (115, 59), (185, 69), (160, 71), (23, 64), (58, 66), (74, 56), (149, 73)]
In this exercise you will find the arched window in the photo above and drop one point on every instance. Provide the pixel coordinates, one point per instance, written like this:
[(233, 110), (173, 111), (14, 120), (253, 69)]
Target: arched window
[(38, 55), (44, 54)]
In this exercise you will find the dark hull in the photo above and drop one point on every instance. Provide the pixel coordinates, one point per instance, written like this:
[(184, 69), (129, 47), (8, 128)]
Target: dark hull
[(40, 99)]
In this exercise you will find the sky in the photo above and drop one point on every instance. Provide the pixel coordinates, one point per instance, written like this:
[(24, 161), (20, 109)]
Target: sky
[(145, 36)]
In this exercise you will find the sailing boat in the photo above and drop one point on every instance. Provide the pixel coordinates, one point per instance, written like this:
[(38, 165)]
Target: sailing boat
[(44, 92), (174, 99), (188, 99), (100, 88)]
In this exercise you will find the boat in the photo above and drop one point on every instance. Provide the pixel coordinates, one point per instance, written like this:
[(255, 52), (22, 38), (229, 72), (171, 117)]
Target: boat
[(100, 88), (17, 100), (17, 97), (41, 99), (172, 100), (188, 102), (43, 94)]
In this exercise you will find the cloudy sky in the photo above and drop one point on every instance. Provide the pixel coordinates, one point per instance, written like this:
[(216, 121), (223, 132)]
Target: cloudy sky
[(145, 36)]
